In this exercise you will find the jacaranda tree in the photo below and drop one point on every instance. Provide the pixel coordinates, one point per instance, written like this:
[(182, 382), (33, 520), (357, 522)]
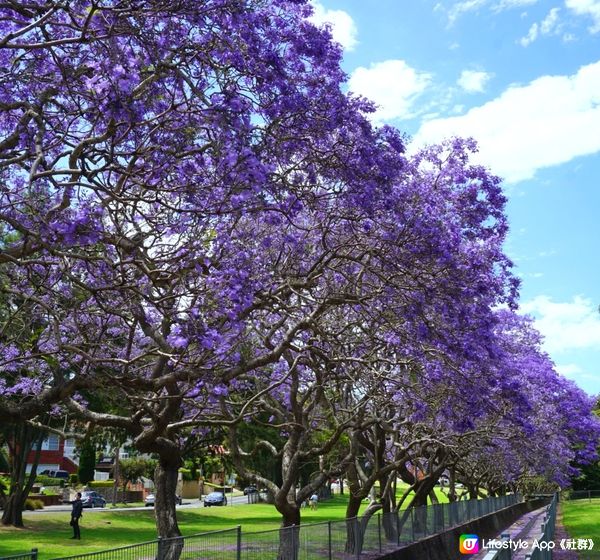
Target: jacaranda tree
[(152, 154)]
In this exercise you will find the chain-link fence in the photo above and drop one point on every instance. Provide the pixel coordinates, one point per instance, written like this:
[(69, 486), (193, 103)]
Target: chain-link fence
[(359, 538), (221, 545)]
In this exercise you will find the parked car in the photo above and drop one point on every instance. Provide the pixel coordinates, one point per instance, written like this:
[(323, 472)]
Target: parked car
[(151, 500), (250, 490), (56, 474), (92, 499), (215, 499)]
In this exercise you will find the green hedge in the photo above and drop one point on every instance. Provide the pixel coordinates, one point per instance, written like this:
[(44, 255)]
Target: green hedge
[(101, 484), (49, 481)]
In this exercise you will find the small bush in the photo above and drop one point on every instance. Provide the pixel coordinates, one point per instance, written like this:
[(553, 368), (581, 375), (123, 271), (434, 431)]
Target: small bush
[(73, 479), (31, 505)]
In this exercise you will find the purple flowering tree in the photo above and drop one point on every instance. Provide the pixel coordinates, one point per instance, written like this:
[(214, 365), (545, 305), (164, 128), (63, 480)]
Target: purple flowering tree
[(166, 171)]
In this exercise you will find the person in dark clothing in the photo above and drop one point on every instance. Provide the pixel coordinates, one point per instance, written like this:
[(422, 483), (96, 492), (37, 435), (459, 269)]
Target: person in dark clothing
[(76, 513)]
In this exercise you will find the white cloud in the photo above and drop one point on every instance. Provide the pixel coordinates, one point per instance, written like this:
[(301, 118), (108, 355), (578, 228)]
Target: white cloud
[(462, 7), (507, 4), (544, 123), (531, 36), (548, 25), (550, 22), (465, 6), (392, 84), (473, 81), (589, 8), (343, 28), (566, 325)]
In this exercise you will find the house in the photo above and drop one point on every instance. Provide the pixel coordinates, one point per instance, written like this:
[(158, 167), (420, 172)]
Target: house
[(56, 454)]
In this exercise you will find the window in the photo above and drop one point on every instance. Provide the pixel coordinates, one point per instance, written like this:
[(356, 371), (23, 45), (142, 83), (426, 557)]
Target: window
[(50, 443)]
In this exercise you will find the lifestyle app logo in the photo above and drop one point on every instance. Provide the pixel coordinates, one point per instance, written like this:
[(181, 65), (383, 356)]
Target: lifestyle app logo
[(468, 544)]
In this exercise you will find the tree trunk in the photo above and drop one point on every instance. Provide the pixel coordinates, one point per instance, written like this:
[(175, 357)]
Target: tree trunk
[(23, 440), (289, 535), (355, 498), (13, 508), (352, 526), (388, 499), (452, 495), (165, 480)]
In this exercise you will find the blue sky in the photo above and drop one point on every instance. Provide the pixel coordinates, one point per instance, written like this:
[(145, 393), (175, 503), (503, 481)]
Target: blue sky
[(523, 78)]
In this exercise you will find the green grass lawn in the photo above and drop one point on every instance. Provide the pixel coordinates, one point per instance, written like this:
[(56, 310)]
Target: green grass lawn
[(50, 532), (582, 521)]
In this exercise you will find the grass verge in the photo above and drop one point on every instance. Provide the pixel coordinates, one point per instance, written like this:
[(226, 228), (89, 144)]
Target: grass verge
[(103, 529), (581, 519)]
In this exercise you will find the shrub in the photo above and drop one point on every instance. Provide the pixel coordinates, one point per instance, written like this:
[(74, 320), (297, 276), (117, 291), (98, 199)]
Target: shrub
[(73, 479), (31, 504), (101, 484), (186, 474)]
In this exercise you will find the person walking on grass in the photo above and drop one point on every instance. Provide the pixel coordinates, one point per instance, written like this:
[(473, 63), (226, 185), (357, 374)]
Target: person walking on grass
[(314, 500), (76, 513)]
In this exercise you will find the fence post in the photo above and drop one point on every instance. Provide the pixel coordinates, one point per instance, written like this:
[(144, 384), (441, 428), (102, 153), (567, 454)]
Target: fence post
[(441, 516), (357, 538), (379, 529), (398, 526), (506, 537), (295, 544), (34, 553), (159, 550), (239, 543), (329, 539)]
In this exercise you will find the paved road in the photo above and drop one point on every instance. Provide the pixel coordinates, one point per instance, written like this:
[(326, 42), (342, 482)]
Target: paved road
[(187, 504)]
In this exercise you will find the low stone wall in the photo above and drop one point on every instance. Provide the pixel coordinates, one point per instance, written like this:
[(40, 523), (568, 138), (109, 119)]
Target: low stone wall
[(444, 546)]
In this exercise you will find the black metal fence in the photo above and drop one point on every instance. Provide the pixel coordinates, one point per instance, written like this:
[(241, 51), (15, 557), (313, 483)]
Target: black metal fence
[(23, 556), (579, 494), (544, 552), (359, 538)]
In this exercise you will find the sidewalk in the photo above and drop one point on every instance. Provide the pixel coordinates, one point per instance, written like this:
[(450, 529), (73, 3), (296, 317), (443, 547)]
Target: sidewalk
[(526, 528)]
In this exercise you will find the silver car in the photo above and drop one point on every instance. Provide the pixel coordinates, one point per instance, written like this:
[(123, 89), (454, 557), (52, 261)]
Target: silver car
[(151, 499)]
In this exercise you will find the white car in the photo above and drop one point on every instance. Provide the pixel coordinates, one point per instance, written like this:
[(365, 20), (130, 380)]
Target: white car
[(151, 499)]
